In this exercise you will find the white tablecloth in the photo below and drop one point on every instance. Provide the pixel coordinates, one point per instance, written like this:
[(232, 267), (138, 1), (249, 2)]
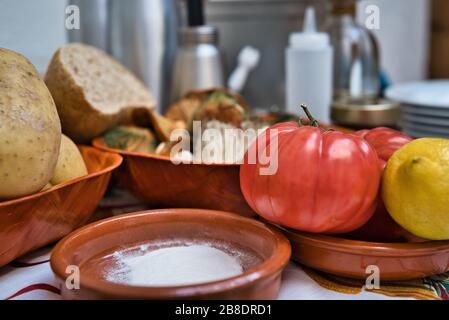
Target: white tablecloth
[(31, 278)]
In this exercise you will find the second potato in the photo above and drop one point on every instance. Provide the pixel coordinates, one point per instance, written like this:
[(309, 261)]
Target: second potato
[(70, 163)]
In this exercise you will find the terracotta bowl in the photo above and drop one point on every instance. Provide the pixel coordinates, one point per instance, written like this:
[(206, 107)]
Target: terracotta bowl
[(349, 258), (157, 181), (261, 281), (34, 221)]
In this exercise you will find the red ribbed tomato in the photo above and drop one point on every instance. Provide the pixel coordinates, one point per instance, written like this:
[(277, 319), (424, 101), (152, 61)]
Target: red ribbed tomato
[(385, 141), (326, 181), (381, 227)]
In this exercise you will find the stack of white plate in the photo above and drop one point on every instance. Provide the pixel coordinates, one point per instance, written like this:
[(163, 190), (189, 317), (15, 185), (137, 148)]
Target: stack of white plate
[(425, 107)]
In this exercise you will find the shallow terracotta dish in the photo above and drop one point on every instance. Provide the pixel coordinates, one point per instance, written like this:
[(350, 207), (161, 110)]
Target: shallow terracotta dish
[(157, 181), (261, 281), (349, 258), (31, 222)]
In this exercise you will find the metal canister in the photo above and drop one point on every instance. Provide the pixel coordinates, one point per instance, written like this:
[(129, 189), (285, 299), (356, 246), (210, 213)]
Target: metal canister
[(198, 63)]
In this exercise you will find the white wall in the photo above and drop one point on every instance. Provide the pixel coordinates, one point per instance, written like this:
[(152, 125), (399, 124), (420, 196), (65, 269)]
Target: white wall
[(34, 28), (403, 36)]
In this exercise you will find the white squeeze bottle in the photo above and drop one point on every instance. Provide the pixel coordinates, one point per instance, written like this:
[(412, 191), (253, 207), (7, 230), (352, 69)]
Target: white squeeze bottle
[(309, 70)]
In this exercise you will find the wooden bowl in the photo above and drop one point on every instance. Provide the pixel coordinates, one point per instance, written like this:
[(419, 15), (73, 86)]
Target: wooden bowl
[(34, 221), (349, 258), (157, 181), (261, 281)]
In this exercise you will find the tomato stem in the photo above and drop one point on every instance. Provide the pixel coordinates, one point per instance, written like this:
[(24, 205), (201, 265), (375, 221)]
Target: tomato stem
[(312, 120)]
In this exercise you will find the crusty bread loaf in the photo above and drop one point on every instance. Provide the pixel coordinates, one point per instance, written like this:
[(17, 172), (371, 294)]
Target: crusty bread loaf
[(93, 92)]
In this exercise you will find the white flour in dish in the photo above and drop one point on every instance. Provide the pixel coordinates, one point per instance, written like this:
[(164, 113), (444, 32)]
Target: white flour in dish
[(174, 266)]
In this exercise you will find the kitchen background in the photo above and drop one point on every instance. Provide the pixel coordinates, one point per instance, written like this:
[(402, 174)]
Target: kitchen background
[(413, 47)]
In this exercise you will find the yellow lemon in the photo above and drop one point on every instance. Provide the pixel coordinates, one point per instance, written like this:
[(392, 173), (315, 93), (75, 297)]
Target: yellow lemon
[(415, 188)]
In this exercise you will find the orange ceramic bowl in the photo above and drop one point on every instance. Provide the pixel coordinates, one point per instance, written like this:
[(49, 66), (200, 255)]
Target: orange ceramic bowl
[(157, 181), (261, 280), (34, 221), (349, 258)]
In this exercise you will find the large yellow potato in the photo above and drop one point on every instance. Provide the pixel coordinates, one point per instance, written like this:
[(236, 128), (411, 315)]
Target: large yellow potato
[(30, 130), (70, 163)]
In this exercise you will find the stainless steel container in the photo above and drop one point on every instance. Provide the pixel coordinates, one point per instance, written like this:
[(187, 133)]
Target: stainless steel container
[(94, 21), (198, 63), (143, 36), (265, 25)]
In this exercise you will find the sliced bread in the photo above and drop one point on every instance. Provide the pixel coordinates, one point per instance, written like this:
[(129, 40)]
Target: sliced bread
[(93, 92)]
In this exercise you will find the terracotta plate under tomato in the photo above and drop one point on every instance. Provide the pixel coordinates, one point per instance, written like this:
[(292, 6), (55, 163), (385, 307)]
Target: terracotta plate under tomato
[(36, 220), (349, 258), (87, 247)]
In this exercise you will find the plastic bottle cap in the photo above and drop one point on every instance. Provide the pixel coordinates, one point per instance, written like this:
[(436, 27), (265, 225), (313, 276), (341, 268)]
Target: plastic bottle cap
[(310, 39)]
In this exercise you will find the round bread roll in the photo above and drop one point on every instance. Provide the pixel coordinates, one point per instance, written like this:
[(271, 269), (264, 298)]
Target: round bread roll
[(93, 92)]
